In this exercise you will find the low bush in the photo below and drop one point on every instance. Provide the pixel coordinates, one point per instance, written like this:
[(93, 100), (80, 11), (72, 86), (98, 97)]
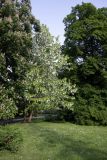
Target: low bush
[(10, 138)]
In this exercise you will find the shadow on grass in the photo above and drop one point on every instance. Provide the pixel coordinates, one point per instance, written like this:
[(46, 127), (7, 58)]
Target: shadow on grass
[(65, 147)]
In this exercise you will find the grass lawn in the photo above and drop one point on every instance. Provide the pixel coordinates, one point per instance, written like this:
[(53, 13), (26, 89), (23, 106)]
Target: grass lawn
[(60, 141)]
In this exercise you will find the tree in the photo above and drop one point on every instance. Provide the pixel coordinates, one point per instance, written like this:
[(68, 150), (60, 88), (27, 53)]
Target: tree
[(16, 26), (44, 89), (86, 45)]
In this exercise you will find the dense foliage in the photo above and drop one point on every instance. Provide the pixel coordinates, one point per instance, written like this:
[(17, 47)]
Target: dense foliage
[(44, 90), (7, 105), (29, 63), (35, 75), (86, 46), (16, 26)]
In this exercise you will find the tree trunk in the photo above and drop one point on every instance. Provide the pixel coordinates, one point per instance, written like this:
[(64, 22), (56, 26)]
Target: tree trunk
[(30, 116)]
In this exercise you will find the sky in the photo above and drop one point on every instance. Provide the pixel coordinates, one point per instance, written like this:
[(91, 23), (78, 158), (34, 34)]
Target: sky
[(52, 13)]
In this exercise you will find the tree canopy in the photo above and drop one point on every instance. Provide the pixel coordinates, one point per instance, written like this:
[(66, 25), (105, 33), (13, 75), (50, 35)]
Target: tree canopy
[(44, 89), (16, 27), (86, 45), (36, 72)]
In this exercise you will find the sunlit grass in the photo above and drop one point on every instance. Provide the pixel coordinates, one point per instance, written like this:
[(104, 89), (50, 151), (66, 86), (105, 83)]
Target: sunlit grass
[(60, 141)]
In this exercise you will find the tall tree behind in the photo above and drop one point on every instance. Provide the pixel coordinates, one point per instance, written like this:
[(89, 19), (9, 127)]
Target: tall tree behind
[(16, 25), (86, 45)]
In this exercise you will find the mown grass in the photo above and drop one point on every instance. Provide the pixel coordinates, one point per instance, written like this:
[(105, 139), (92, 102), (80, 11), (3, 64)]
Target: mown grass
[(60, 141)]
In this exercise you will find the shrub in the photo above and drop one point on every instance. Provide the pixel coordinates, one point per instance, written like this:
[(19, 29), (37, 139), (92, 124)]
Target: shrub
[(10, 138), (91, 111)]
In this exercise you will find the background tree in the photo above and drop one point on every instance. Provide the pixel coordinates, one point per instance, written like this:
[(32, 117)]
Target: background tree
[(44, 89), (86, 45), (16, 25)]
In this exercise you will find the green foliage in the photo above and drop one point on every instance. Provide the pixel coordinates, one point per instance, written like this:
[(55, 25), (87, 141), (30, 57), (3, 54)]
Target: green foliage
[(85, 44), (7, 106), (44, 89), (10, 138), (90, 107), (17, 25)]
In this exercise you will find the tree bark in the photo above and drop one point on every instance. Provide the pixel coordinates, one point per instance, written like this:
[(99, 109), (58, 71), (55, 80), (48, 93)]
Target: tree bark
[(30, 116)]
